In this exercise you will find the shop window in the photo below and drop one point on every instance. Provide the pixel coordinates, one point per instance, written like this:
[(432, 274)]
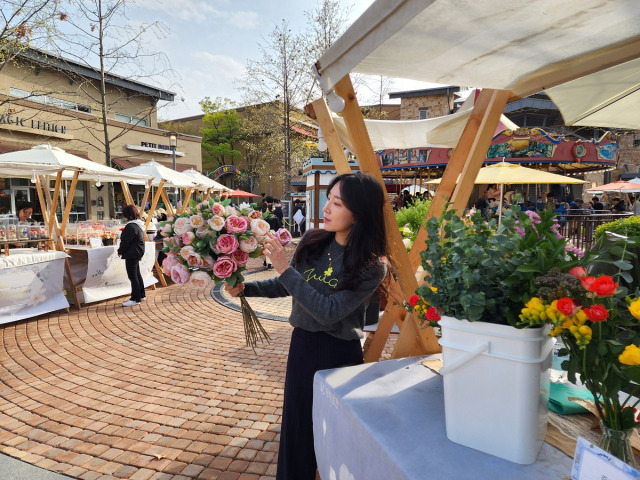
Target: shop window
[(47, 100), (129, 119)]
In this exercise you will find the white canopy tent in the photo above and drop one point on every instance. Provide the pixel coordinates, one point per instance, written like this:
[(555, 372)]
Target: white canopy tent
[(205, 182), (432, 132), (508, 49)]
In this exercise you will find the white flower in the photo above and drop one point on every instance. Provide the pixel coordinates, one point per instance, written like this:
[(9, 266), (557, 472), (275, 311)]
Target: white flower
[(259, 227), (229, 210)]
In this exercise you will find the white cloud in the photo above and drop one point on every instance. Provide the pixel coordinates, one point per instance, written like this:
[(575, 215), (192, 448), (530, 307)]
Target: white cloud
[(219, 65), (244, 20), (191, 10)]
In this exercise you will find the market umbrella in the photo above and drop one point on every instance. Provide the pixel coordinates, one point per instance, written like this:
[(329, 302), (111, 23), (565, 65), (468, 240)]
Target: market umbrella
[(242, 193), (510, 173), (44, 155), (620, 186), (160, 172), (205, 181)]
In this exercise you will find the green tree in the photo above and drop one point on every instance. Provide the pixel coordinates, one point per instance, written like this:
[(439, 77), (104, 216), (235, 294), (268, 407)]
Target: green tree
[(221, 133)]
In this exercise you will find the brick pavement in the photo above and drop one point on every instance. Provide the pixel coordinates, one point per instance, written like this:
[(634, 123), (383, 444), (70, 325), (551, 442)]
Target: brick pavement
[(162, 391)]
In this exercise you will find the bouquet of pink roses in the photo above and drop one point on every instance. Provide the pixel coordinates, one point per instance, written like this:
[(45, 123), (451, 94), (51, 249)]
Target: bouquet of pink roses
[(214, 240)]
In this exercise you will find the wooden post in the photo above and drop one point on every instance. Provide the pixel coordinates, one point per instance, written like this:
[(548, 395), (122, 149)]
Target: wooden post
[(54, 203), (411, 333), (154, 203), (67, 207), (167, 203), (145, 197), (187, 197)]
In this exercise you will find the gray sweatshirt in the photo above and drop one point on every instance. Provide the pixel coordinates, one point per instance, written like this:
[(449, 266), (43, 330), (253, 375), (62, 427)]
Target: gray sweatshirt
[(317, 305)]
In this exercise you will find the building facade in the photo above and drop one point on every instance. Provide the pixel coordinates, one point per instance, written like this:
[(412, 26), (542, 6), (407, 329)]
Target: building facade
[(45, 99)]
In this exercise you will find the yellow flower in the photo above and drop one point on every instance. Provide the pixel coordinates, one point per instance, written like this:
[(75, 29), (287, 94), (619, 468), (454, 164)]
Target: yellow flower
[(630, 356), (634, 308)]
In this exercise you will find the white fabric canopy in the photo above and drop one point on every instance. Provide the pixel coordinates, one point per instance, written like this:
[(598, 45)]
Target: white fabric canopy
[(45, 156), (432, 132), (160, 172), (23, 170), (204, 181), (512, 173), (524, 47), (609, 98)]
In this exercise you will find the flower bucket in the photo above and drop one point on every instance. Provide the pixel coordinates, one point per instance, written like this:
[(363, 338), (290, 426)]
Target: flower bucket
[(496, 387)]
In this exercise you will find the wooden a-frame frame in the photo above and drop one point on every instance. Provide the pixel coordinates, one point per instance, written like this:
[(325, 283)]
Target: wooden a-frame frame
[(466, 161)]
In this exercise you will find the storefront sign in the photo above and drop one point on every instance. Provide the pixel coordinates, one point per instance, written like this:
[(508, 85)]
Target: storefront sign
[(155, 145), (9, 119), (154, 148)]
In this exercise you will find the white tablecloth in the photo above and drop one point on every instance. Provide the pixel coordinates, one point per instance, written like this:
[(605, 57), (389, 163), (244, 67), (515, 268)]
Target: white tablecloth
[(385, 421), (31, 283), (104, 273)]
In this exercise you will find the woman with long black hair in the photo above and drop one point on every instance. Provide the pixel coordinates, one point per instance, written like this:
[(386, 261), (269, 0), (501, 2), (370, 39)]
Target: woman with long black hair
[(131, 249), (332, 276)]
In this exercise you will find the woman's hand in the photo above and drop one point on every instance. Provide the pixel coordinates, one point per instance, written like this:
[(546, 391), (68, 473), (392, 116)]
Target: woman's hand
[(234, 291), (275, 251)]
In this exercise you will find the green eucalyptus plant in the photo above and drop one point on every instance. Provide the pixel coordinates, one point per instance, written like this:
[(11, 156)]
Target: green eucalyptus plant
[(481, 271)]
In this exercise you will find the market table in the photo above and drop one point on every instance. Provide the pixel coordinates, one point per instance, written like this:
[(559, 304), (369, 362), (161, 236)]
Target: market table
[(31, 283), (99, 273), (385, 420)]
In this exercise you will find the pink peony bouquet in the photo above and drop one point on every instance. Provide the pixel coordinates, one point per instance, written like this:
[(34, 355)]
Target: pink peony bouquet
[(214, 240)]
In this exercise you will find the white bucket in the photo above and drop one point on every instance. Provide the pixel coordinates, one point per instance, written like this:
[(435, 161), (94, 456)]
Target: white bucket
[(496, 387)]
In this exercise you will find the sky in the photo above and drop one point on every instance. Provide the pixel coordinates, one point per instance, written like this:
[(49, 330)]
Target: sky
[(210, 41)]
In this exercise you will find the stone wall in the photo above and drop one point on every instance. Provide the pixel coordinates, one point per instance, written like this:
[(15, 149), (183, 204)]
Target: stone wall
[(438, 106)]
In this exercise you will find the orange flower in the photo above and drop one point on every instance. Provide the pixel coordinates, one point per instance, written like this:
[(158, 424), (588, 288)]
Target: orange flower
[(597, 313), (603, 286)]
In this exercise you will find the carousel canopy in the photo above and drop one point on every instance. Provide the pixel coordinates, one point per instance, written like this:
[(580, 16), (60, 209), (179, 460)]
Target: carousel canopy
[(159, 172), (524, 47)]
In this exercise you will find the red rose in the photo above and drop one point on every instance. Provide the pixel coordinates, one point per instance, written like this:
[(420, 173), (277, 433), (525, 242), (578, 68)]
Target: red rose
[(566, 306), (413, 301), (596, 313), (603, 286), (578, 272), (587, 281), (433, 314)]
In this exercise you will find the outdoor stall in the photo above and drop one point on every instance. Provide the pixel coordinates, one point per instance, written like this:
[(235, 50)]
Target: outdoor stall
[(47, 159), (161, 177), (592, 61), (206, 186)]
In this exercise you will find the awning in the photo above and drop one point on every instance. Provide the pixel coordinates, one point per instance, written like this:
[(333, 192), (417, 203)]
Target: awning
[(523, 47), (303, 131)]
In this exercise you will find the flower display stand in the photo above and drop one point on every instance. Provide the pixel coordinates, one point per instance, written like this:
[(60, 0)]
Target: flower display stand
[(496, 387)]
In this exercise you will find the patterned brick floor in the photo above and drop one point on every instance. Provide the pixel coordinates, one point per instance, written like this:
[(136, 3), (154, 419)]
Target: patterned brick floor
[(166, 390)]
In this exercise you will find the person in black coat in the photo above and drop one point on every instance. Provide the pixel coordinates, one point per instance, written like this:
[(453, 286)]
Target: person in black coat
[(131, 249)]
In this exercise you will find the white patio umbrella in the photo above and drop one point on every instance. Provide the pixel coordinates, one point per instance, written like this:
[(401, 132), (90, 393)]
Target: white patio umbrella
[(205, 181), (159, 172), (53, 157)]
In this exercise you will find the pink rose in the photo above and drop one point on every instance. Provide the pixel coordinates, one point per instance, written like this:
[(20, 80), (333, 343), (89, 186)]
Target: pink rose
[(169, 262), (202, 230), (180, 274), (166, 230), (208, 261), (181, 226), (226, 243), (186, 251), (578, 272), (236, 224), (241, 258), (194, 260), (224, 267), (216, 223), (249, 245), (217, 209), (196, 220), (188, 238), (259, 227), (283, 236), (255, 215), (200, 279)]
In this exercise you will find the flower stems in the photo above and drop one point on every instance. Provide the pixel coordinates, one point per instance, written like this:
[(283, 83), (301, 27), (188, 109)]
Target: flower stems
[(253, 329)]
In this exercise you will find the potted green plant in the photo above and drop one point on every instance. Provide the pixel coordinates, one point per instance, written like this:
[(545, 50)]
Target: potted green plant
[(496, 376)]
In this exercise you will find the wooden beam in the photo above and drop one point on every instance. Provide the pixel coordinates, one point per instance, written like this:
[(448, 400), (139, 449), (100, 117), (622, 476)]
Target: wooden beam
[(154, 203), (69, 202), (482, 125), (334, 145), (187, 197), (368, 163), (167, 203), (54, 203), (145, 196), (127, 193)]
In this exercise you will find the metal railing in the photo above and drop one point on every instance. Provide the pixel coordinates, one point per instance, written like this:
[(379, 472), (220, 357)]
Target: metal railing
[(580, 227)]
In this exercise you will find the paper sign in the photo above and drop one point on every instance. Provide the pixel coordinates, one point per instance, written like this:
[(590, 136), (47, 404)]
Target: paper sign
[(298, 217), (593, 463), (95, 242)]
